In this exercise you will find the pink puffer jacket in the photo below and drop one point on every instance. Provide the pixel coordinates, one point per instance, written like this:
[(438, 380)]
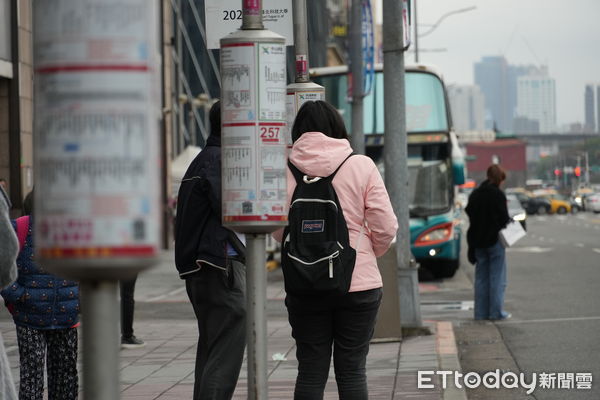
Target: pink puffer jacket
[(362, 195)]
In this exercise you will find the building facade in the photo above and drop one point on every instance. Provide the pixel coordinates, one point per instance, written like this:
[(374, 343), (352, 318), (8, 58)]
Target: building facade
[(590, 109), (491, 75), (16, 98), (536, 100), (468, 107)]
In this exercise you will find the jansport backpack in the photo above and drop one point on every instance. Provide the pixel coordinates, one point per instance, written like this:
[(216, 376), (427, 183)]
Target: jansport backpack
[(316, 256)]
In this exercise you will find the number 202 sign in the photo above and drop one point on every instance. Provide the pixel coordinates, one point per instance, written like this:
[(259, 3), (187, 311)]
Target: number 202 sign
[(225, 16)]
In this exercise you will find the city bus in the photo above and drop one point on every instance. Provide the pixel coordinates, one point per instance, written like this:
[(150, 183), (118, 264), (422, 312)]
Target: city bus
[(435, 161)]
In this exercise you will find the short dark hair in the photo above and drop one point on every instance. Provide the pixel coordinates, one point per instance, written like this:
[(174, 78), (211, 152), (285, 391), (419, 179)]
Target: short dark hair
[(496, 174), (28, 204), (215, 119), (319, 116)]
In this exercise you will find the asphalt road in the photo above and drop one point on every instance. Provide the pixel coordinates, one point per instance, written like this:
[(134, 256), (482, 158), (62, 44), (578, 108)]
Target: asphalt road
[(553, 294)]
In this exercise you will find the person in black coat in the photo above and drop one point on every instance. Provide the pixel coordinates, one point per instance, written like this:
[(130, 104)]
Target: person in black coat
[(210, 258), (488, 214)]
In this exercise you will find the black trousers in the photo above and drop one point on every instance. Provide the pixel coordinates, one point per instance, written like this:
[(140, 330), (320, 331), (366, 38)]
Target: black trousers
[(127, 306), (58, 348), (340, 324), (219, 301)]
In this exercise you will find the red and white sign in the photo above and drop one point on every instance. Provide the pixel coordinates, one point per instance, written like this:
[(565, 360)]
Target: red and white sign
[(96, 129)]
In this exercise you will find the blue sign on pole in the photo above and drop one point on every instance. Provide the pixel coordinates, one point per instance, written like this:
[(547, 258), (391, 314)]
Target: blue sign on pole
[(368, 46)]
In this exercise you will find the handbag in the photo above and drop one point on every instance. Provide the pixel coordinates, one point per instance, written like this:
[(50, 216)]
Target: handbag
[(512, 233)]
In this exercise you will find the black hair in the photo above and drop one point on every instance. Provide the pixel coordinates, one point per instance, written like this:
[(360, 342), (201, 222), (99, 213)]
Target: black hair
[(215, 119), (28, 204), (319, 116)]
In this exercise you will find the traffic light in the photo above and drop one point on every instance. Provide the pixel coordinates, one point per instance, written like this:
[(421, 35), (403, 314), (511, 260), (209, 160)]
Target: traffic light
[(577, 171), (556, 172)]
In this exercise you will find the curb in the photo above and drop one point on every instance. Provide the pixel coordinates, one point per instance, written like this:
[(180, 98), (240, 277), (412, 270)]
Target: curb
[(448, 357)]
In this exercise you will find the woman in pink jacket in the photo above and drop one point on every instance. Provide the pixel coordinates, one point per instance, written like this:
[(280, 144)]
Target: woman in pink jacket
[(343, 323)]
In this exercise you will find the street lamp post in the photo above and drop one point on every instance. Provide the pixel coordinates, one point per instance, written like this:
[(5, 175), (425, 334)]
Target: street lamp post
[(434, 26)]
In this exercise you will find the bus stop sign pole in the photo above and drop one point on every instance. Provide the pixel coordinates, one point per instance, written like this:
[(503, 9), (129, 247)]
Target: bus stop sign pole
[(96, 142), (253, 163)]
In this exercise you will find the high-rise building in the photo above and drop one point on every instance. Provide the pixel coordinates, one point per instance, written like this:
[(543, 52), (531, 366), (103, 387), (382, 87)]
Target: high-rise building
[(590, 119), (536, 99), (492, 76), (598, 108), (468, 107)]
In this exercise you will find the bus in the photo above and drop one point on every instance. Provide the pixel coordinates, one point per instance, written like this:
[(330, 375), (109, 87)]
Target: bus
[(435, 161)]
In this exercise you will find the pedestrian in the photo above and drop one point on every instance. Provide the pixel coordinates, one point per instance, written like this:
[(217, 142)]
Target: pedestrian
[(45, 309), (9, 249), (342, 323), (3, 184), (211, 260), (128, 339), (488, 214)]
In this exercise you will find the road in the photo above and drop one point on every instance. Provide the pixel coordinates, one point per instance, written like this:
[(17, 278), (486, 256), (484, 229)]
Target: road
[(553, 294)]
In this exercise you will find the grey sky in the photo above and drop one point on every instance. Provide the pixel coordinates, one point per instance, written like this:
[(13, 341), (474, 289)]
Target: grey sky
[(563, 34)]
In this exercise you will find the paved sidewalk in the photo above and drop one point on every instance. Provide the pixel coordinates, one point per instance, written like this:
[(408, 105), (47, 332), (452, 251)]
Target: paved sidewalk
[(164, 368)]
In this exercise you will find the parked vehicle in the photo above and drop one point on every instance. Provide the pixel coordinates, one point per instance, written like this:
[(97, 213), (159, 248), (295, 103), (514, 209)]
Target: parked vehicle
[(593, 202), (435, 161), (516, 210), (532, 205)]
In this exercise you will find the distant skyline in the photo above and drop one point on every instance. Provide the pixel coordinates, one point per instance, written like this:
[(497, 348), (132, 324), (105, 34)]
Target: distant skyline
[(559, 34)]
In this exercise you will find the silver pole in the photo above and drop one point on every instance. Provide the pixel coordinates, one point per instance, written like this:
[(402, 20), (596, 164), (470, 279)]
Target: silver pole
[(252, 14), (416, 22), (357, 136), (301, 41), (256, 321), (100, 329), (395, 157), (587, 170)]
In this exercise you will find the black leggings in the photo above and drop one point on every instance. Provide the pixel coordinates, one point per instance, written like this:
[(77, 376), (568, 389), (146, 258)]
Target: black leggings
[(340, 324), (58, 348)]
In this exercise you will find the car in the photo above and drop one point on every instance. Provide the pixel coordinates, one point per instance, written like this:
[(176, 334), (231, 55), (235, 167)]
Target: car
[(593, 202), (533, 205), (516, 210), (558, 204)]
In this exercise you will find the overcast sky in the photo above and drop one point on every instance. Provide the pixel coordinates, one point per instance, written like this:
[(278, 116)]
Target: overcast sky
[(563, 34)]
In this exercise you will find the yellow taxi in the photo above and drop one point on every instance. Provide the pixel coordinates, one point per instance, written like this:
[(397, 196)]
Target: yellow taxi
[(558, 204)]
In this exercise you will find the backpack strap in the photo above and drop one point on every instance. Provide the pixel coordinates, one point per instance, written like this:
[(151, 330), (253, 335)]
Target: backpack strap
[(299, 175), (22, 230)]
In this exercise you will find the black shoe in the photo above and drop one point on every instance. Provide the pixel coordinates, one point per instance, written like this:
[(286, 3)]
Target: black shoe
[(131, 342)]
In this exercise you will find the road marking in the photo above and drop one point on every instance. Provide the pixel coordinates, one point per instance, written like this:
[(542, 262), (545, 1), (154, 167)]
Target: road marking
[(597, 250), (535, 321), (532, 249), (542, 239), (580, 245)]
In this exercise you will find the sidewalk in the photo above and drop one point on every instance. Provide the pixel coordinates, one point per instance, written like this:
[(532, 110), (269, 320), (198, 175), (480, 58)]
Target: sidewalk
[(164, 368)]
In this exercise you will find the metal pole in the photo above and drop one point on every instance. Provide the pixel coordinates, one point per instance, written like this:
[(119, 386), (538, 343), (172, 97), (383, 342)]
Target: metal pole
[(395, 157), (100, 329), (416, 22), (356, 60), (252, 14), (301, 41), (256, 321), (587, 170)]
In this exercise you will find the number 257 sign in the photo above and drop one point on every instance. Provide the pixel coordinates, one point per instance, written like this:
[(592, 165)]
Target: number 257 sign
[(225, 16)]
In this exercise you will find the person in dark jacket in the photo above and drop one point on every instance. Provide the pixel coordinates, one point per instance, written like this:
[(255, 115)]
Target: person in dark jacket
[(45, 309), (211, 260), (488, 214)]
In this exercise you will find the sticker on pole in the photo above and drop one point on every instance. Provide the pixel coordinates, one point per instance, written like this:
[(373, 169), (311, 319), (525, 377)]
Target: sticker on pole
[(96, 129), (225, 16)]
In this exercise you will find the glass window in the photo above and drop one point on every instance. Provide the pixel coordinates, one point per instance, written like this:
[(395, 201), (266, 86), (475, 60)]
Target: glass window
[(425, 102)]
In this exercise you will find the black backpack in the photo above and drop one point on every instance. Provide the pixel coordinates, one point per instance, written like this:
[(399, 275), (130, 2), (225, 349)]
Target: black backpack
[(316, 256)]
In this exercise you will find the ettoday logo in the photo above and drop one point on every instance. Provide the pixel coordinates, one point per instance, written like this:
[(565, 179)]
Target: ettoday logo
[(507, 380)]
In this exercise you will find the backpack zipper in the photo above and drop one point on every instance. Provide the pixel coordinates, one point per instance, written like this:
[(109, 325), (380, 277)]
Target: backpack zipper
[(330, 258), (331, 267), (315, 201)]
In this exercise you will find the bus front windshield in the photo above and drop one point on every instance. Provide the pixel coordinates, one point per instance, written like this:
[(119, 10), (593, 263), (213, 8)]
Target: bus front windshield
[(430, 179)]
